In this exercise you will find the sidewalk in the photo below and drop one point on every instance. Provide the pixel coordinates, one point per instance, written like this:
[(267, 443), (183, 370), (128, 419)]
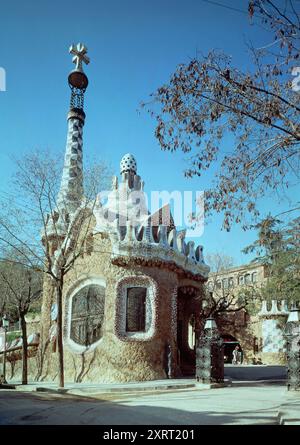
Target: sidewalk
[(289, 412), (96, 389)]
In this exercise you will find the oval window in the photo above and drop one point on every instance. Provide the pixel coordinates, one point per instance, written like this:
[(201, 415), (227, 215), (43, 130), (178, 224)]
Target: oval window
[(87, 315)]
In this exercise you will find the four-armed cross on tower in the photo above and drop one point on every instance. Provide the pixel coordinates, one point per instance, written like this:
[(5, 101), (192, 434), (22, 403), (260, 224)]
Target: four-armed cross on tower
[(79, 52)]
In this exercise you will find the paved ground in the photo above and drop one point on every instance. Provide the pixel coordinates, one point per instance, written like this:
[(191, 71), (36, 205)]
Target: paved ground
[(289, 413), (255, 372), (239, 404)]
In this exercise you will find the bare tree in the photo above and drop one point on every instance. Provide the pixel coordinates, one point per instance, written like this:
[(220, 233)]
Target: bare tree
[(21, 288), (33, 213), (209, 101), (219, 261)]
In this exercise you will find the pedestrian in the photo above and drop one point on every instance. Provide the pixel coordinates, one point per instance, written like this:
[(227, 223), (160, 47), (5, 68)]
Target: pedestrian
[(236, 356), (168, 361), (2, 380)]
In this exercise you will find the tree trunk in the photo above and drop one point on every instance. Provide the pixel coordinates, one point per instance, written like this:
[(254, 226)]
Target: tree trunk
[(24, 350), (60, 348)]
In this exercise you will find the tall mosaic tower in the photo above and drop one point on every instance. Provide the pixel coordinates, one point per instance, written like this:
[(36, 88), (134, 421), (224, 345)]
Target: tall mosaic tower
[(70, 195), (71, 189)]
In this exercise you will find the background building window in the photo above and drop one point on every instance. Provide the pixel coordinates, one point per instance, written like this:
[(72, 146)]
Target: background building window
[(231, 282), (225, 283), (254, 277), (241, 280), (210, 286), (247, 278), (87, 315), (136, 309)]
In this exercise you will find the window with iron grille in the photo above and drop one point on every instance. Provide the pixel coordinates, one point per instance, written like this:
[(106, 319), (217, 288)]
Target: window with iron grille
[(87, 315), (136, 309)]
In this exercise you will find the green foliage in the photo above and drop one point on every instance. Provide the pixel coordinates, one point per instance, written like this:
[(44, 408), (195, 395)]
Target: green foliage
[(250, 297), (11, 336), (278, 247)]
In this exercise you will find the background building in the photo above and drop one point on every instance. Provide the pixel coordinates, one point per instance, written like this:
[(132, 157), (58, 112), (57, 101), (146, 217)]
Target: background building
[(257, 328)]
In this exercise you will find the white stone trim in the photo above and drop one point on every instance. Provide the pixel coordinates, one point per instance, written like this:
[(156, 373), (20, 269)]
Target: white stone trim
[(120, 318), (71, 344), (174, 312)]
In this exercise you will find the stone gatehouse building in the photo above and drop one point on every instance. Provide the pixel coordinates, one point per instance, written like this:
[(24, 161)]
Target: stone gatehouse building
[(132, 302), (128, 299)]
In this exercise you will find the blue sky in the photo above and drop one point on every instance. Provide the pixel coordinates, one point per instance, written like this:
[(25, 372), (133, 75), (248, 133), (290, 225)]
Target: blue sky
[(134, 46)]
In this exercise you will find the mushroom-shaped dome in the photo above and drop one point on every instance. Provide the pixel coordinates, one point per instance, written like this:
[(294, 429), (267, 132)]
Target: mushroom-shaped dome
[(128, 164)]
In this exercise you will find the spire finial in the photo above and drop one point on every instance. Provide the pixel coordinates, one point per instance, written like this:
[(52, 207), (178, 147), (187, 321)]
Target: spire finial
[(71, 190), (77, 79), (80, 56)]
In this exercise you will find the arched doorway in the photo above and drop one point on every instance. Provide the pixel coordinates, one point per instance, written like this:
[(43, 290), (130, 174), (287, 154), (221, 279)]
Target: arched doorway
[(188, 322), (230, 343)]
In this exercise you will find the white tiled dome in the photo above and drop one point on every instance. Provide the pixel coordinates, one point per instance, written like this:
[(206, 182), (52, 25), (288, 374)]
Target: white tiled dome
[(128, 163)]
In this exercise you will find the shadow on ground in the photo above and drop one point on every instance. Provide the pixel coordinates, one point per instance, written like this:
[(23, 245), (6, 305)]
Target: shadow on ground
[(49, 409)]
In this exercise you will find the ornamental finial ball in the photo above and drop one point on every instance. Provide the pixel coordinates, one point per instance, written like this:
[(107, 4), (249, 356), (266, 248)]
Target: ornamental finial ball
[(128, 164), (77, 78)]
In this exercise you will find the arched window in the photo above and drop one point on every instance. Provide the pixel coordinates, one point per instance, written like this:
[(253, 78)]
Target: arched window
[(87, 315), (241, 280)]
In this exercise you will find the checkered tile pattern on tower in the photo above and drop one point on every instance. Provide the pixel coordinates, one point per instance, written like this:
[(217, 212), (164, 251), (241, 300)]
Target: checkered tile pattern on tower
[(71, 190), (273, 339)]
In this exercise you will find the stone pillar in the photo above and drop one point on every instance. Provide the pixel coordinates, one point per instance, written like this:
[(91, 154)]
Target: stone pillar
[(292, 335), (210, 355)]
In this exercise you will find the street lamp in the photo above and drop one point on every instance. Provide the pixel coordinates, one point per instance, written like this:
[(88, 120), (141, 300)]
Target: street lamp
[(5, 325), (209, 354), (292, 335), (210, 326)]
